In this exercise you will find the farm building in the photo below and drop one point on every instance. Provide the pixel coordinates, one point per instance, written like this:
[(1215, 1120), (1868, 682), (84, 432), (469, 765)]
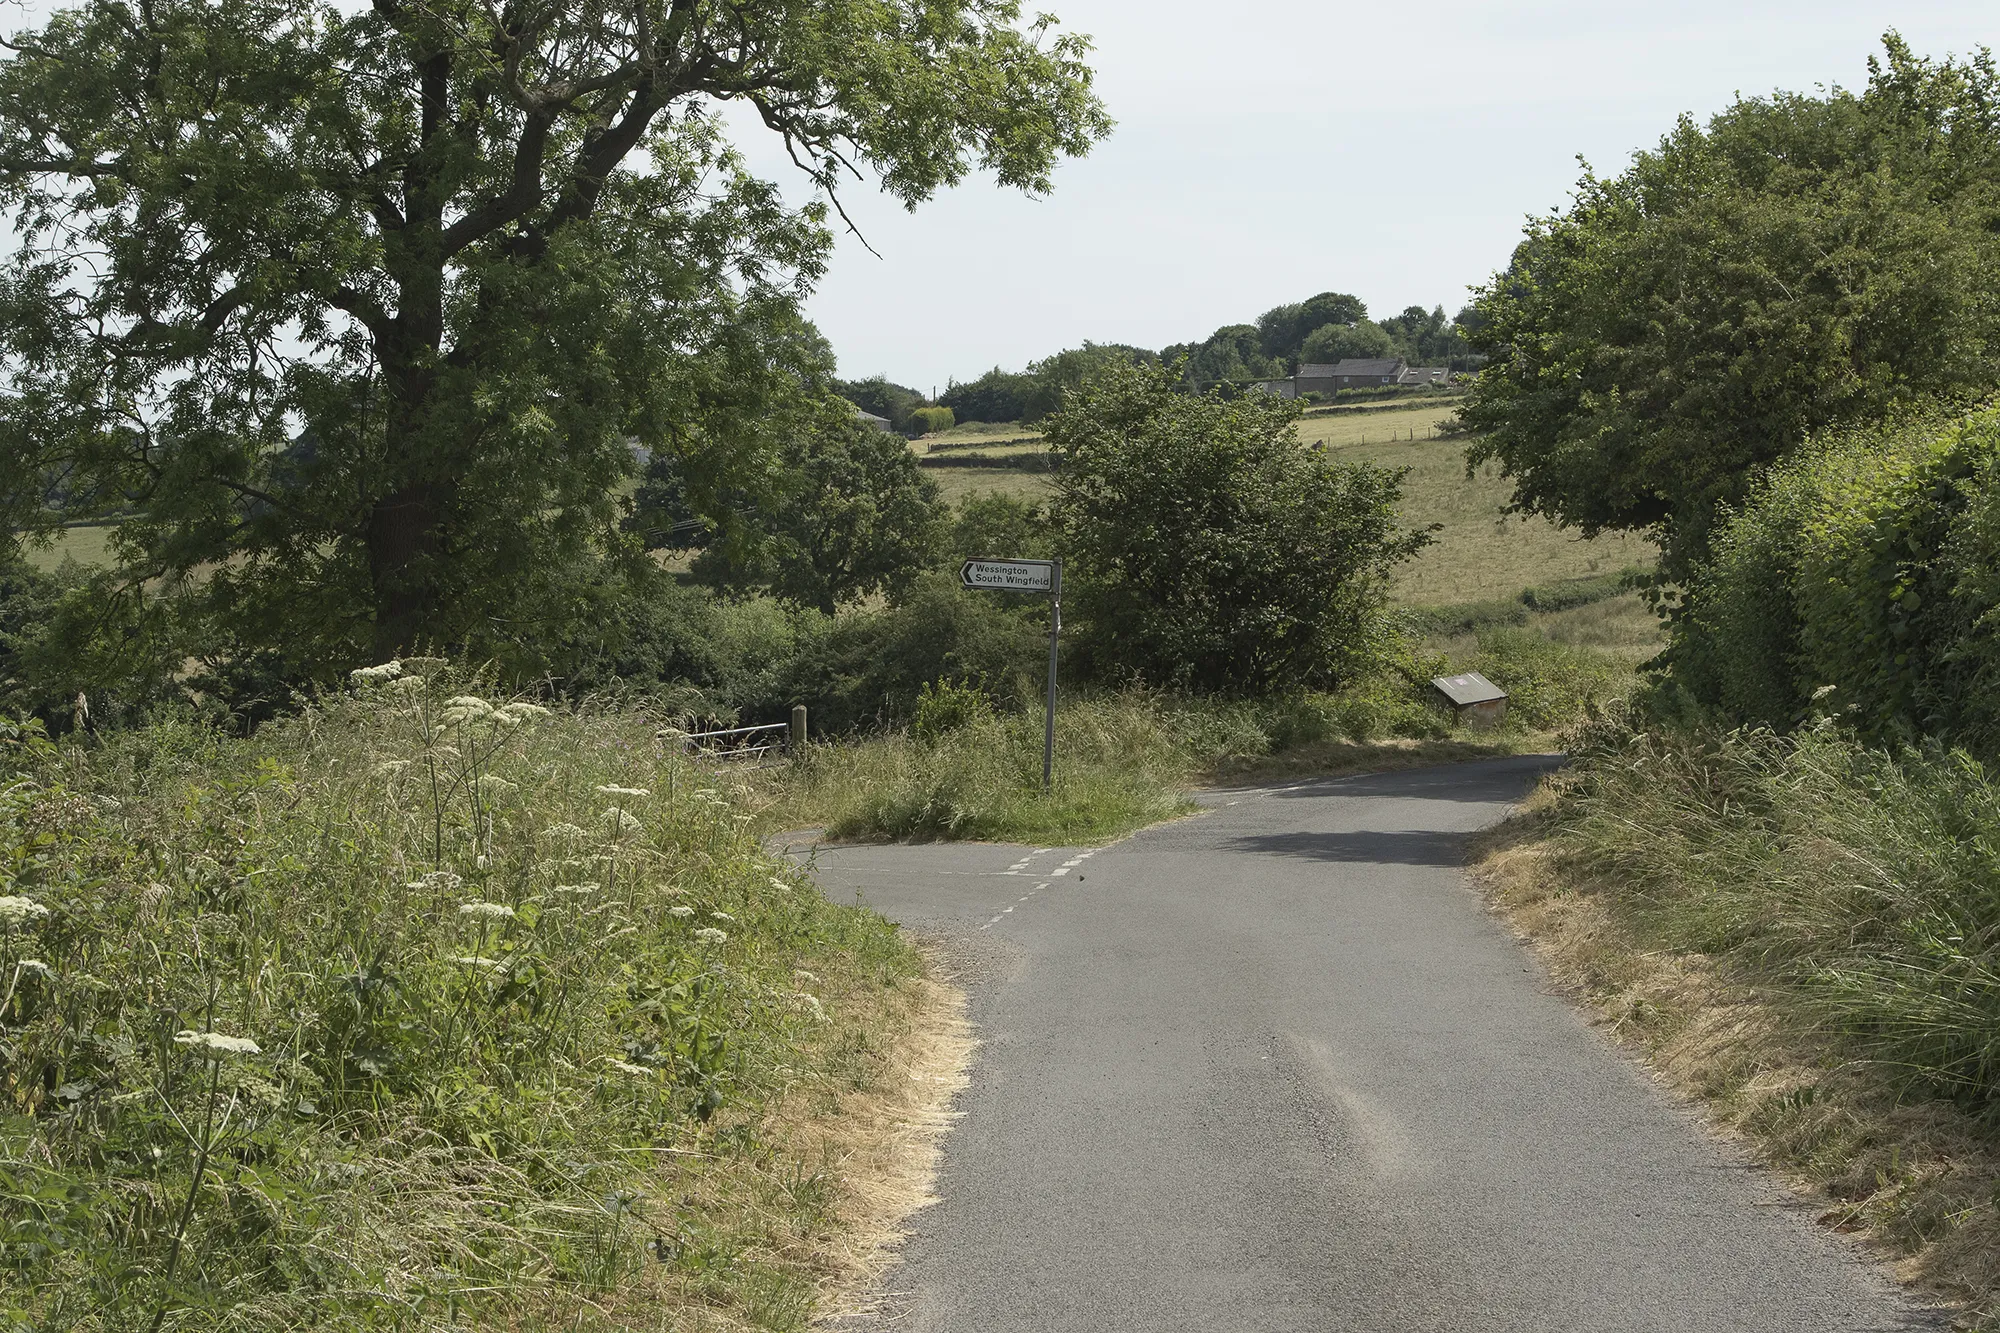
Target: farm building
[(1353, 374)]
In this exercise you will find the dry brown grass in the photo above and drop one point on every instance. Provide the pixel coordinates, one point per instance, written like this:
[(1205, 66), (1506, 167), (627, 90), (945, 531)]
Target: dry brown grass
[(1339, 759), (1914, 1181), (887, 1142)]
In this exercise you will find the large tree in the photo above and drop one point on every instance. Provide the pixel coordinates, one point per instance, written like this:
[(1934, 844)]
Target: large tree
[(353, 314), (1798, 263)]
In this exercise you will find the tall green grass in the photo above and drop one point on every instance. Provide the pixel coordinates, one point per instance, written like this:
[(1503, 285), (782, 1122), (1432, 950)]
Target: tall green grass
[(1124, 759), (422, 1010), (1864, 884)]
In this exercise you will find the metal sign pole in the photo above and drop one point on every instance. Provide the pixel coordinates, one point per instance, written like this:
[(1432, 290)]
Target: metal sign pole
[(1028, 576), (1049, 723)]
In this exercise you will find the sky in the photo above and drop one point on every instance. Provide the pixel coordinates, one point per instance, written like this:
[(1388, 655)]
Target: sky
[(1270, 149)]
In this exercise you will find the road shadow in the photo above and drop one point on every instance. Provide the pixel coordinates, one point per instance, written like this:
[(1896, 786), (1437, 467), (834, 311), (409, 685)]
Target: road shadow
[(1480, 782), (1407, 847)]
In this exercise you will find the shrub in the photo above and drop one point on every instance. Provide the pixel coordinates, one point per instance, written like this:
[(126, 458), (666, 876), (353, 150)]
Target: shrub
[(947, 707), (930, 420), (1861, 576), (1548, 684), (1207, 548)]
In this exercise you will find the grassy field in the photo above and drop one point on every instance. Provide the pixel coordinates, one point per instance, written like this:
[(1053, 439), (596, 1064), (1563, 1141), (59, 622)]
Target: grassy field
[(1481, 552), (87, 546)]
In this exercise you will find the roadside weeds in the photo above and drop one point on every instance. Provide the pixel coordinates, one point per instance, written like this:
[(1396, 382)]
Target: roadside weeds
[(1915, 1181)]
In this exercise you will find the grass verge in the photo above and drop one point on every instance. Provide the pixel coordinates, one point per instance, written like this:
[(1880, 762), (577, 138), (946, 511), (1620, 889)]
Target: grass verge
[(1123, 760), (1801, 938), (427, 1011)]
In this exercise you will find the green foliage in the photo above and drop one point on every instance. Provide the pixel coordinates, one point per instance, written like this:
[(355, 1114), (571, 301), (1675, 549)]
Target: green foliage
[(946, 707), (1549, 684), (1860, 577), (474, 259), (1865, 887), (1230, 355), (998, 395), (1207, 548), (1796, 264), (1283, 330), (849, 516), (892, 402), (1338, 342), (932, 419), (417, 1011)]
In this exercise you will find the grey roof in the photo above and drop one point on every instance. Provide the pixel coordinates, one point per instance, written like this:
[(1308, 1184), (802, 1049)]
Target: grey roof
[(1470, 688), (1353, 366), (879, 423)]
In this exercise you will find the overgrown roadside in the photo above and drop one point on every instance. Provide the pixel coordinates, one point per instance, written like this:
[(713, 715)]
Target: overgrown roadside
[(428, 1010), (1775, 934)]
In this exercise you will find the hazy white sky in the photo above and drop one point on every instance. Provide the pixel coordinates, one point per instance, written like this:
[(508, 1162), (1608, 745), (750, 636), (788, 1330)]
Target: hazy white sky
[(1270, 149)]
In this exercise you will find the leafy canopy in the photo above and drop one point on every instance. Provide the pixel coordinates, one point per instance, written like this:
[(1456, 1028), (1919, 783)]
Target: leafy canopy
[(1206, 547), (352, 315), (1797, 263)]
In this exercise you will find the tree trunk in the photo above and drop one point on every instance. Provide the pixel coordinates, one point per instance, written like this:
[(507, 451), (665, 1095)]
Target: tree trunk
[(402, 554)]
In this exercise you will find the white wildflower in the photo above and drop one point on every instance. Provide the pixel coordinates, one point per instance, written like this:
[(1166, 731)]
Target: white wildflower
[(609, 790), (682, 912), (495, 785), (780, 885), (720, 916), (710, 935), (425, 663), (442, 881), (576, 888), (214, 1045), (621, 821), (486, 911), (18, 911), (811, 1002), (565, 831), (637, 1071), (376, 675), (465, 708), (804, 975), (35, 967), (466, 960), (407, 684), (523, 711)]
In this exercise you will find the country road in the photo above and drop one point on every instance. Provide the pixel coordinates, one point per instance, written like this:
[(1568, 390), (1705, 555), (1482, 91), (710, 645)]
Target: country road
[(1274, 1068)]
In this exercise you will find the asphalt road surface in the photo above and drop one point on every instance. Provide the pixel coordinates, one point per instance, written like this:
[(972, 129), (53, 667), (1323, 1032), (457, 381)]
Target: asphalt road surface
[(1274, 1068)]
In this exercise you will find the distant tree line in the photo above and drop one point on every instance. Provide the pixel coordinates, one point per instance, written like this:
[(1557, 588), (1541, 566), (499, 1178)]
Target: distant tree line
[(1331, 326)]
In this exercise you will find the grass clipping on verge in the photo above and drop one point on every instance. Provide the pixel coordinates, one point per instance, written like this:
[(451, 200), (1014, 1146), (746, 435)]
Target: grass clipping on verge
[(426, 1010), (1913, 1176)]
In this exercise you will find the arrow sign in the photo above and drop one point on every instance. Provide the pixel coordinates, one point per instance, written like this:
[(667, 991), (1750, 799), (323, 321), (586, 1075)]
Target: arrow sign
[(1010, 575)]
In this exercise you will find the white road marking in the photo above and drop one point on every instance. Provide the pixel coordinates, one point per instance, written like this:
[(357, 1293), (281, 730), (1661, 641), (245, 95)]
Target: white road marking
[(994, 920)]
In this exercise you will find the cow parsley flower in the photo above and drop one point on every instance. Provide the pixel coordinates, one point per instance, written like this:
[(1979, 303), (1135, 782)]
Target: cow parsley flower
[(35, 967), (376, 675), (609, 790), (721, 916), (621, 821), (710, 935), (780, 885), (682, 912), (18, 911), (215, 1045), (523, 711), (467, 960), (495, 785), (576, 888), (565, 831), (637, 1071), (441, 881), (486, 911)]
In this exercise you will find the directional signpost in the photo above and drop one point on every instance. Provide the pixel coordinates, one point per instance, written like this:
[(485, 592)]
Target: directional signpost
[(1028, 576)]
